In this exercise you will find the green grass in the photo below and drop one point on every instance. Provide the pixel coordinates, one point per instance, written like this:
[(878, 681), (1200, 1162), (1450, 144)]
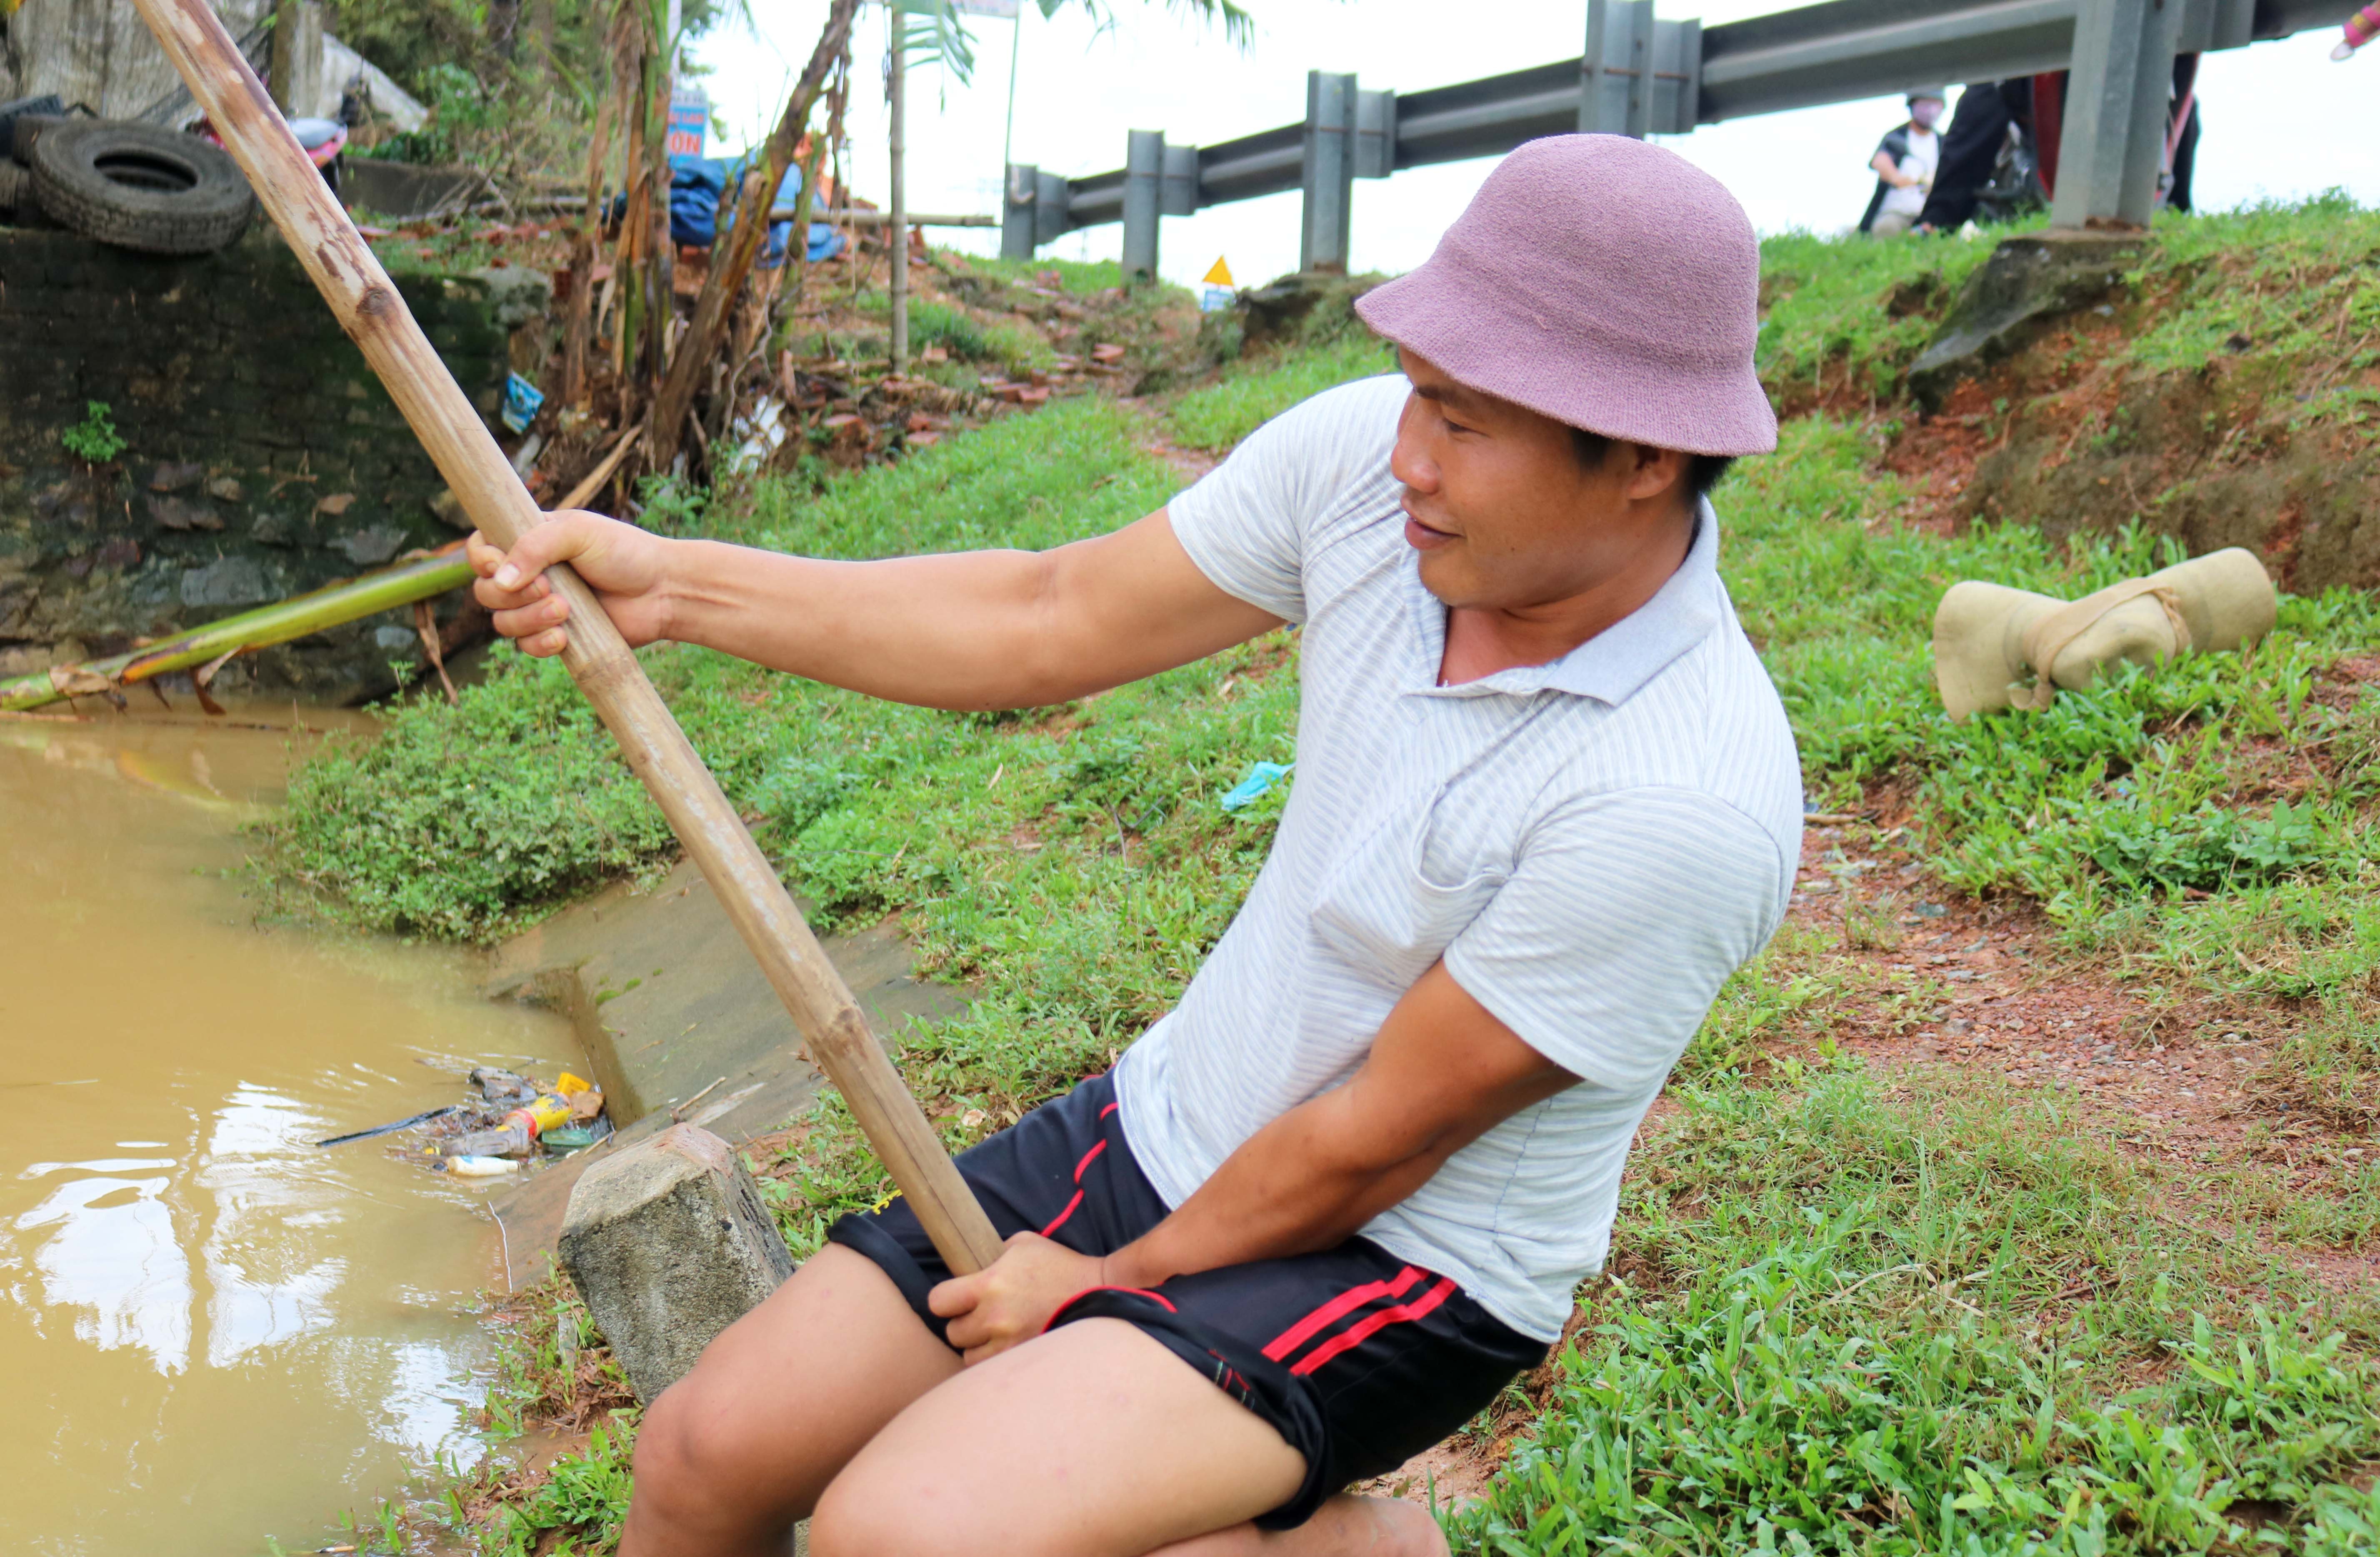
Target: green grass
[(1932, 1317), (2292, 286), (2210, 773), (1004, 342), (1847, 1336), (1255, 389), (1852, 314), (1076, 277)]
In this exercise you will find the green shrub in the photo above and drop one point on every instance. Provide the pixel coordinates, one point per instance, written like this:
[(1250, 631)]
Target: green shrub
[(93, 439)]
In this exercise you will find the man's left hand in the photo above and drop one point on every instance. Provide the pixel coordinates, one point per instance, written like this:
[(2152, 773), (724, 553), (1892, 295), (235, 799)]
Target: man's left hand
[(1012, 1299)]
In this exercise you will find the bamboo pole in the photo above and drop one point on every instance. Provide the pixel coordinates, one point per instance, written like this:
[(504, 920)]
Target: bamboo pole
[(370, 309), (419, 579)]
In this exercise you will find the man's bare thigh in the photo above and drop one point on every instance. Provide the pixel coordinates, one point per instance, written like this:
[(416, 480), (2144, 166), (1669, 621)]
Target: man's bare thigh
[(1093, 1441), (744, 1444)]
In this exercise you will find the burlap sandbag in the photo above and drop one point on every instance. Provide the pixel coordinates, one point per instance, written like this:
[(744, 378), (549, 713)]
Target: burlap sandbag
[(1995, 647)]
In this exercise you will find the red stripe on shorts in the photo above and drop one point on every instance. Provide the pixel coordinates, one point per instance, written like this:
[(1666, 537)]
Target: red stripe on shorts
[(1354, 1297), (1088, 1157), (1062, 1217), (1357, 1334)]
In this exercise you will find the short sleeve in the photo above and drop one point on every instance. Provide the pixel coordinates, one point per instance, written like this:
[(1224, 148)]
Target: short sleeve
[(1249, 523), (1623, 915)]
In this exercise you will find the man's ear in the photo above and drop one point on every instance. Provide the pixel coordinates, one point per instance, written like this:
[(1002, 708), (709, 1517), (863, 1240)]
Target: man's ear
[(1652, 471)]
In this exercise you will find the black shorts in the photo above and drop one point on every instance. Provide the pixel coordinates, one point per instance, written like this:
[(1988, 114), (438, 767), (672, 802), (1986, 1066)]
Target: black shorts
[(1359, 1359)]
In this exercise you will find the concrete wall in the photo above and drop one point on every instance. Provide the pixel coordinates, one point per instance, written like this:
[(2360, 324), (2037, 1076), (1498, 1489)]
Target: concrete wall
[(263, 457), (98, 53)]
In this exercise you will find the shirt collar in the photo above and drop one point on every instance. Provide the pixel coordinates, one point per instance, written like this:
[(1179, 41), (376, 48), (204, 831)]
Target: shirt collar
[(1614, 664)]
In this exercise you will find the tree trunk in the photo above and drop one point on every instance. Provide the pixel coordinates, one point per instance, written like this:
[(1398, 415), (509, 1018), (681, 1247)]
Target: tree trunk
[(660, 298), (575, 333), (503, 26), (898, 211), (731, 260)]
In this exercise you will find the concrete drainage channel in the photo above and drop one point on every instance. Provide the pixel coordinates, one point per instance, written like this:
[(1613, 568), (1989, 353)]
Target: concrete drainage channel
[(661, 1227), (695, 1056)]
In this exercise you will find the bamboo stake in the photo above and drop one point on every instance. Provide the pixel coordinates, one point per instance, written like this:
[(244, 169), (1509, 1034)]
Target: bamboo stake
[(369, 307)]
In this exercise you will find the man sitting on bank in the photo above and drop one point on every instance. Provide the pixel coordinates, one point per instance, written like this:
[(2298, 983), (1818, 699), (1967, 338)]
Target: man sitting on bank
[(1545, 802)]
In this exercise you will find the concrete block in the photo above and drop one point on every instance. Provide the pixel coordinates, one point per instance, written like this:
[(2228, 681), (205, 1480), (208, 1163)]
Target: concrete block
[(669, 1243), (2028, 281)]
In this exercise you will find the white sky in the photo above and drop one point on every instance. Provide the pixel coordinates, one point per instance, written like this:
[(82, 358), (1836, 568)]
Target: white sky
[(2281, 118)]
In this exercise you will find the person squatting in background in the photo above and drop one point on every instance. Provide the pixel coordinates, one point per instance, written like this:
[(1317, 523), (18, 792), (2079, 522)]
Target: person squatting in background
[(1904, 163)]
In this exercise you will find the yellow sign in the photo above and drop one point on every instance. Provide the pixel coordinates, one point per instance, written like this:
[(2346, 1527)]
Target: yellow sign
[(1220, 276)]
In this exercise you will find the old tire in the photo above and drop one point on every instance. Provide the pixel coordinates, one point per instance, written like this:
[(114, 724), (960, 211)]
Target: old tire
[(139, 187), (26, 128), (13, 180)]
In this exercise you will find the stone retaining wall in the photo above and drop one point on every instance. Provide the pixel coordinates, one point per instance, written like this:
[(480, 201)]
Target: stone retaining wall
[(262, 457)]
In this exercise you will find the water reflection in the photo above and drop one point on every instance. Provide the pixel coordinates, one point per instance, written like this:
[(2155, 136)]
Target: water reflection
[(213, 1329), (116, 1260)]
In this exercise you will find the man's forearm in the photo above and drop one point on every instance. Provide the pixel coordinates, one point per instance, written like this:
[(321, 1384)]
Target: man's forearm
[(952, 631), (962, 629), (1291, 1188), (1440, 1074)]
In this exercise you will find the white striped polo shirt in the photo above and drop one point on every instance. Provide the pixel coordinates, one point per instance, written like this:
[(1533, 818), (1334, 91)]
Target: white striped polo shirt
[(1592, 845)]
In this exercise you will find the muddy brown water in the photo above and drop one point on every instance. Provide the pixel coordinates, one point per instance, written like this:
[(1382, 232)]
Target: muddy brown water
[(213, 1332)]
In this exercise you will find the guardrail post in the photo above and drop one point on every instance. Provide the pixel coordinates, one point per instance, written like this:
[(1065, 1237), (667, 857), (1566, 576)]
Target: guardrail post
[(1375, 134), (1615, 72), (2113, 139), (1144, 178), (1016, 204), (1327, 171), (1177, 195), (1052, 207), (1677, 76)]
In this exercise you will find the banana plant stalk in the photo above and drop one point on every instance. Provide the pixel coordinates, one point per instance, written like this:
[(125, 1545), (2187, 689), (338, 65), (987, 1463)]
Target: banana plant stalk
[(417, 580)]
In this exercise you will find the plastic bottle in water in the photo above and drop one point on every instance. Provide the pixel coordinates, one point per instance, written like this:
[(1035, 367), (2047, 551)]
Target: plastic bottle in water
[(478, 1167), (513, 1137), (516, 1135)]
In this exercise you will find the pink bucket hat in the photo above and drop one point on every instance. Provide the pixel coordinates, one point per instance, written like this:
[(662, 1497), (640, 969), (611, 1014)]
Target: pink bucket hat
[(1602, 282)]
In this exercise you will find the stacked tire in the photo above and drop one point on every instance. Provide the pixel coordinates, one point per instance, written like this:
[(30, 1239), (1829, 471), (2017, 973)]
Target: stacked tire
[(135, 185)]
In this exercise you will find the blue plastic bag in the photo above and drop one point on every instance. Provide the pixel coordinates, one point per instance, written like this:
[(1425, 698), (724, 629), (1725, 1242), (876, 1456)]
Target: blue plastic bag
[(521, 400), (1261, 777)]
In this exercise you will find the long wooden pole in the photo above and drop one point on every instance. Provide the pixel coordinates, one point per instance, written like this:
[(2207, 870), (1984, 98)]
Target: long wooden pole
[(370, 311)]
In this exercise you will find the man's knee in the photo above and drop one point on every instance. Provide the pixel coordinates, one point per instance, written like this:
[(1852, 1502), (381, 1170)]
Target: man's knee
[(690, 1448), (860, 1516)]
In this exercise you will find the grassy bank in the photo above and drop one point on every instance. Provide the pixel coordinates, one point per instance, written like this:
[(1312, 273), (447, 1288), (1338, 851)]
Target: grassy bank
[(1886, 1278)]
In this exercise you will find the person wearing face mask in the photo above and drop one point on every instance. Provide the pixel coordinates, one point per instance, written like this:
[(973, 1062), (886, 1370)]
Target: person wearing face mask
[(1904, 163)]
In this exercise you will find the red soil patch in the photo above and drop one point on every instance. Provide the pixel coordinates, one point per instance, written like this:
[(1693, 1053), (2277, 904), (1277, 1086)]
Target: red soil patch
[(2172, 1084)]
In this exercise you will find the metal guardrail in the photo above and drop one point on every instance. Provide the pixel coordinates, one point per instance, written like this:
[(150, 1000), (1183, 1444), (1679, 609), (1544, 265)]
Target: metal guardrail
[(1643, 76)]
